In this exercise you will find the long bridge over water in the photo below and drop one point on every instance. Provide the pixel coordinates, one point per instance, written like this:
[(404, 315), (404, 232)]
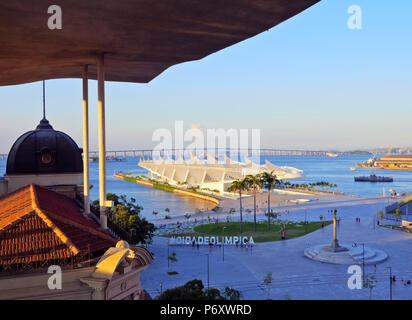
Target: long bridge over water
[(150, 152)]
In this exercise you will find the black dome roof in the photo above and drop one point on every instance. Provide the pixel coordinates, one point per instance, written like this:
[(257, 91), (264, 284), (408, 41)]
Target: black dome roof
[(44, 151)]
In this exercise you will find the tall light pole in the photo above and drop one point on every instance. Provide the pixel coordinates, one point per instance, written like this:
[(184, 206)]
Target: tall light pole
[(223, 245), (363, 259), (390, 282), (363, 262), (208, 271), (168, 255)]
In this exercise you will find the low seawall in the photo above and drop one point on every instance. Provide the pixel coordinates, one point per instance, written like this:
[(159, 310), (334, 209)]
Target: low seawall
[(168, 188)]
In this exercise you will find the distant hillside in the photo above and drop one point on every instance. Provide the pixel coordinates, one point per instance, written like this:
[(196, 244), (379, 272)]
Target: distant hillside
[(356, 152)]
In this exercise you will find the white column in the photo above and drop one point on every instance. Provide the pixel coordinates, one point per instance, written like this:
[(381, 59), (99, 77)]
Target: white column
[(86, 185), (203, 177), (102, 141)]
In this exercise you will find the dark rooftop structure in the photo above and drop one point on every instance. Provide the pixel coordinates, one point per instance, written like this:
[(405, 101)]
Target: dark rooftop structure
[(44, 151), (37, 225), (140, 38)]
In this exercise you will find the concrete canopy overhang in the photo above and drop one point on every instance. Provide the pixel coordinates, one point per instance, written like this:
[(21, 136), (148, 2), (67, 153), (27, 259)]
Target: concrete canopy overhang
[(140, 38)]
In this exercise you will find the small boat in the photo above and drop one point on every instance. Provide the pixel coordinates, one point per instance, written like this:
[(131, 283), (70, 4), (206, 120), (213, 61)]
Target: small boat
[(373, 178), (352, 168), (332, 155)]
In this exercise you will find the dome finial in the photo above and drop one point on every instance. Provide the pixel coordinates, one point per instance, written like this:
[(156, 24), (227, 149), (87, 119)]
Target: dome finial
[(44, 100), (44, 123)]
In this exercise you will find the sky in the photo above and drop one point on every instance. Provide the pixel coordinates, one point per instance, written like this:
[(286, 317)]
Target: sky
[(309, 83)]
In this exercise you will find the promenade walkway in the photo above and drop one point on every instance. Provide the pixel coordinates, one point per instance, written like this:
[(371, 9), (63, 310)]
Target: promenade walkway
[(296, 277)]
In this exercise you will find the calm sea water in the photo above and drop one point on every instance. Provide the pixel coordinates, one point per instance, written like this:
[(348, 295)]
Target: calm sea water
[(337, 171), (316, 168), (149, 198)]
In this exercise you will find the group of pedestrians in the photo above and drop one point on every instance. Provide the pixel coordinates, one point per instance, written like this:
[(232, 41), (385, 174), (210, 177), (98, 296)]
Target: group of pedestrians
[(357, 220)]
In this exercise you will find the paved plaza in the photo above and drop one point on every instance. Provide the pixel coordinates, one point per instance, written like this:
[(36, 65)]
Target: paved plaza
[(295, 276)]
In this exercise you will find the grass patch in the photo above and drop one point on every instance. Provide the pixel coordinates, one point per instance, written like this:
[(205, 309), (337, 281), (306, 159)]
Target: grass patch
[(262, 234), (394, 227), (161, 186), (132, 179)]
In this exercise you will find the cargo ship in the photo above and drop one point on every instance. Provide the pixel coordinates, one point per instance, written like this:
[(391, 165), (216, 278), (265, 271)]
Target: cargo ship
[(373, 178)]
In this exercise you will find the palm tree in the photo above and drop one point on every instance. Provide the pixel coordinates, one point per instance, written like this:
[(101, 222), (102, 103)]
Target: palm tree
[(239, 185), (269, 180), (398, 213), (381, 215), (254, 182), (268, 282)]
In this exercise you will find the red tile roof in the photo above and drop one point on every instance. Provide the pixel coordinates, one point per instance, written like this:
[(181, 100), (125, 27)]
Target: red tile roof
[(37, 224)]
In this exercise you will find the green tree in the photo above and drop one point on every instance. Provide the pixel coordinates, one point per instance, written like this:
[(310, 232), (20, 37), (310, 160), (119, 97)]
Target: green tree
[(381, 215), (172, 258), (126, 216), (232, 294), (239, 185), (268, 181), (217, 209), (272, 214), (192, 290), (370, 283), (398, 213), (268, 283), (254, 182), (187, 216)]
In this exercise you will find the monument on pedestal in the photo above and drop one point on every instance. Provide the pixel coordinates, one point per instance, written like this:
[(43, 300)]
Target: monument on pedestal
[(344, 254), (335, 247)]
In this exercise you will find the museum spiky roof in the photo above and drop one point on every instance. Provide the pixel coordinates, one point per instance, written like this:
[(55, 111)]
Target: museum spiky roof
[(39, 225)]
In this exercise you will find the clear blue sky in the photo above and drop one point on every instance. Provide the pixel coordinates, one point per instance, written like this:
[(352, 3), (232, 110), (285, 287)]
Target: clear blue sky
[(309, 83)]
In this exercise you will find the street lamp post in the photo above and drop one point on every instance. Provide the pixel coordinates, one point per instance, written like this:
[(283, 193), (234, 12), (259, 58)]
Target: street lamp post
[(363, 262), (168, 255), (363, 259), (208, 271), (223, 245), (390, 282)]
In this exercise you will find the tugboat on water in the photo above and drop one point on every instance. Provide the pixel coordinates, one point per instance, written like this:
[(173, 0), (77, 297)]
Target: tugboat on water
[(374, 178)]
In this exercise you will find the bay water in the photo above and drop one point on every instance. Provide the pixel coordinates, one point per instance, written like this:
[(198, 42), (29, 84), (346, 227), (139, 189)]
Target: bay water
[(334, 170)]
